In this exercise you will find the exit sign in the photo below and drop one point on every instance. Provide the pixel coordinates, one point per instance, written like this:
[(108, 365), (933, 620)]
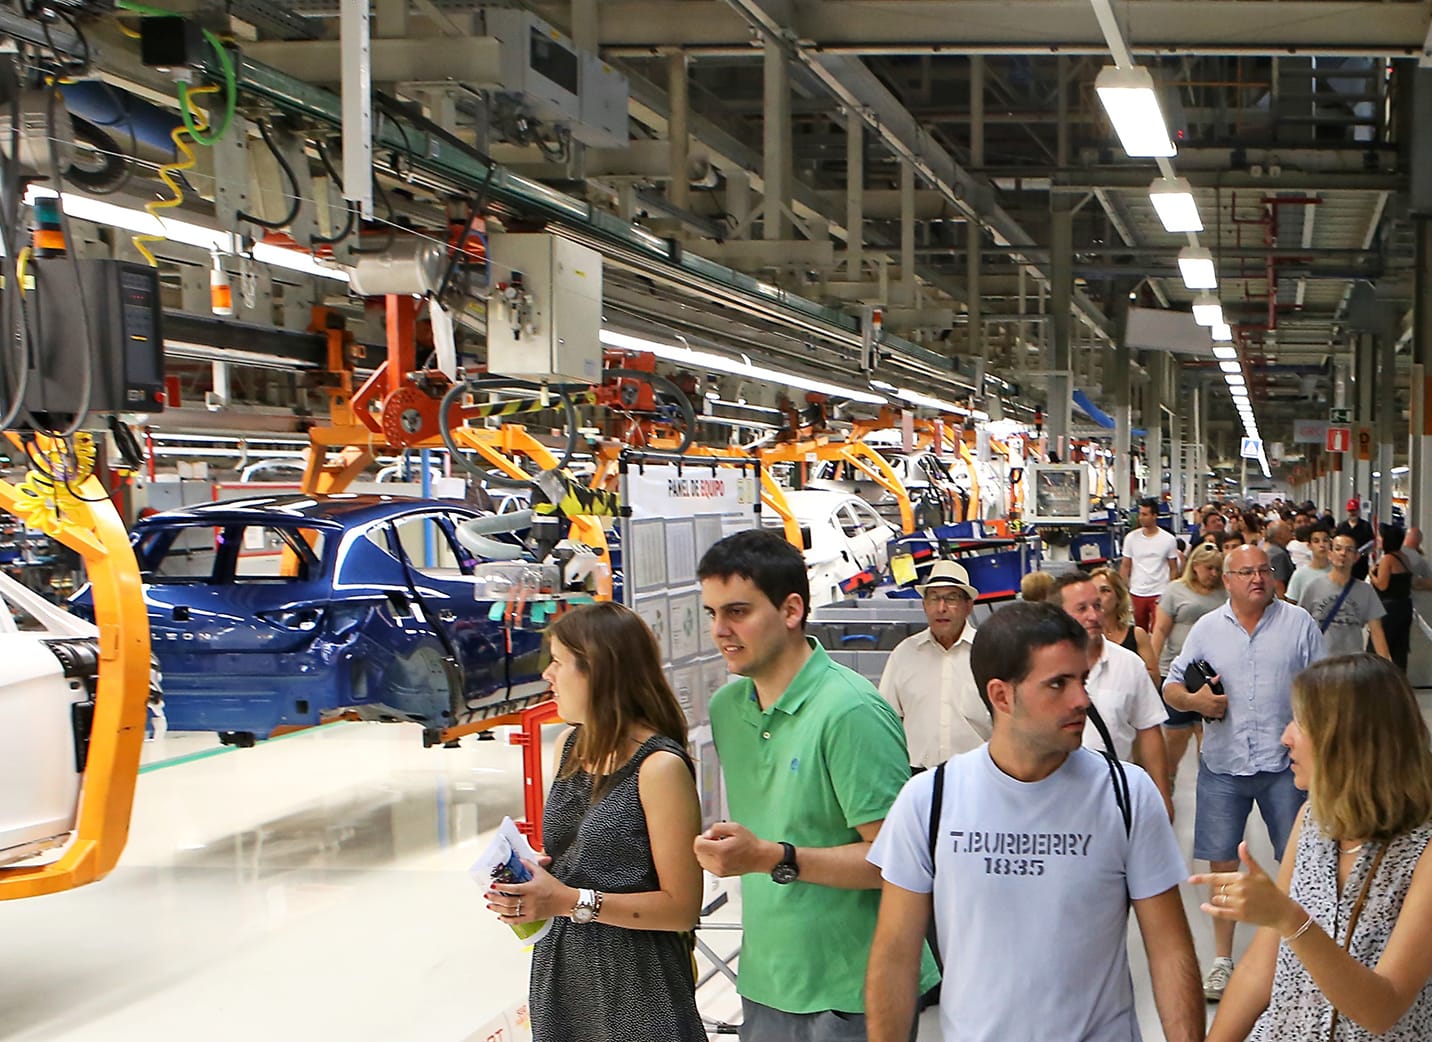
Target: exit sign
[(1341, 416)]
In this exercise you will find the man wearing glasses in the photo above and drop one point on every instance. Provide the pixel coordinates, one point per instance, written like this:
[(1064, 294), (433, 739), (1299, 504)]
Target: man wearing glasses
[(1255, 645), (927, 678)]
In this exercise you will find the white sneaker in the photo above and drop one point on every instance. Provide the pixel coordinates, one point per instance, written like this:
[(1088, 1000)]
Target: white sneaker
[(1217, 979)]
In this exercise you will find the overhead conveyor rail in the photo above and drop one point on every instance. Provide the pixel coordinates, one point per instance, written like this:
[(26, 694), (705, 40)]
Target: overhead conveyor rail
[(443, 163)]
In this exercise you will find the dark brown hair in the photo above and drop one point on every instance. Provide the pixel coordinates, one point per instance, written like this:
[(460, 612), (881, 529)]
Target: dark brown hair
[(618, 655)]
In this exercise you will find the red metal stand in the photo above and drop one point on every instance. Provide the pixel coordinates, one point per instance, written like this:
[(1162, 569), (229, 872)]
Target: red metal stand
[(530, 739)]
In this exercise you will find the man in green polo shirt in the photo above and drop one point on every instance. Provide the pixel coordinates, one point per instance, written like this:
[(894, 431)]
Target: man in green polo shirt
[(813, 758)]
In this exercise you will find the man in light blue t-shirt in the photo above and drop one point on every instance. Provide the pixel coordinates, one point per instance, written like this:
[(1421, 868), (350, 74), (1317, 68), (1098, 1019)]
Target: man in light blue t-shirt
[(1033, 861)]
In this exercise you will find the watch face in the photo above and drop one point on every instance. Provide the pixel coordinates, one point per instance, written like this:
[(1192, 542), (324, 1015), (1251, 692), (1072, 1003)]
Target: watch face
[(583, 914), (784, 873)]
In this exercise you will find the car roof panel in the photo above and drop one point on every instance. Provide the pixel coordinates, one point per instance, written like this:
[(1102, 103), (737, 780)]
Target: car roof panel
[(332, 513)]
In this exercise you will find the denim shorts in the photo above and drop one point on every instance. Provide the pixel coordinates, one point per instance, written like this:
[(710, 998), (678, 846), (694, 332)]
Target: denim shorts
[(1225, 801), (1178, 718)]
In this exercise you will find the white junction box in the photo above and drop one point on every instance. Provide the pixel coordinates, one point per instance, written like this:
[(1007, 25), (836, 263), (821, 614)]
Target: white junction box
[(546, 308)]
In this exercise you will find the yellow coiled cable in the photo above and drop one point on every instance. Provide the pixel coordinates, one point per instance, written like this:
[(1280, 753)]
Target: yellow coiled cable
[(180, 136)]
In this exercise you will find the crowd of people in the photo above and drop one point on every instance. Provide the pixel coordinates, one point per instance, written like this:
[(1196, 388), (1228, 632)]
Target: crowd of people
[(974, 831)]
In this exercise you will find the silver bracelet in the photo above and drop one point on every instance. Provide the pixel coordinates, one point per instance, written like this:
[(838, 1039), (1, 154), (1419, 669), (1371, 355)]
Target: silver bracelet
[(1299, 931)]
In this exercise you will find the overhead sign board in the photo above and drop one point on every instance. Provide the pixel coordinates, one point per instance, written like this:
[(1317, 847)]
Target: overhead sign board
[(1310, 432), (1339, 439), (669, 490), (1252, 448)]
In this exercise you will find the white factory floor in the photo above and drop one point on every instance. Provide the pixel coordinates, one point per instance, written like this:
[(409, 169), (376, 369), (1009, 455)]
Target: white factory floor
[(314, 888)]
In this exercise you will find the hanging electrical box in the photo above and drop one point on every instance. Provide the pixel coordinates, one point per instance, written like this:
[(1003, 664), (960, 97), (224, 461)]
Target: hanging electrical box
[(101, 317), (545, 312), (556, 82)]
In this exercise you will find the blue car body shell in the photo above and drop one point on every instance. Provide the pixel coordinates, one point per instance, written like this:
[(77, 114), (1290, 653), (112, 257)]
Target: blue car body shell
[(286, 611)]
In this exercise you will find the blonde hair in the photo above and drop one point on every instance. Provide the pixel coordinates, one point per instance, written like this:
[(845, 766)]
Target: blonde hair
[(1126, 602), (1372, 771), (1203, 553), (1036, 587)]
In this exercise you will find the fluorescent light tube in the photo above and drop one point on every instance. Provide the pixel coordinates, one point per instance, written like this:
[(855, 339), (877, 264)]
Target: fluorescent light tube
[(719, 363), (1222, 333), (1207, 311), (1133, 107), (1230, 367), (1224, 353), (297, 260), (1174, 203), (916, 398), (1195, 264), (142, 222)]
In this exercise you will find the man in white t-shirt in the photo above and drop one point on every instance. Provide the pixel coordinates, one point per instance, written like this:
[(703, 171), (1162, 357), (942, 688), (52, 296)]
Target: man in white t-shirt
[(927, 678), (1150, 563), (1032, 858), (1119, 686), (1300, 550)]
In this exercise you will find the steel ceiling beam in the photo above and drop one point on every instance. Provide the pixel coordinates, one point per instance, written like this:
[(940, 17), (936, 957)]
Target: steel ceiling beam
[(852, 83), (1167, 27)]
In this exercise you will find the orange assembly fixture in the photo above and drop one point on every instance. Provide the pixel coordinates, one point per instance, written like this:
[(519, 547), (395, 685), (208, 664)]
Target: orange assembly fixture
[(85, 520)]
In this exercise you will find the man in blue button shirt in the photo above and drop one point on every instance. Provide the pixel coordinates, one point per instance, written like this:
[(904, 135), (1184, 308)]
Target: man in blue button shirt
[(1256, 644)]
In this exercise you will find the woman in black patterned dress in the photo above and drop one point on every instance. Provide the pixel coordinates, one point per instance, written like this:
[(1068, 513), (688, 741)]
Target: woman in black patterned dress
[(620, 880)]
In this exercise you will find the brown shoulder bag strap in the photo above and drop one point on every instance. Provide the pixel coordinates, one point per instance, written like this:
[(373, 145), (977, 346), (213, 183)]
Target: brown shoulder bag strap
[(1352, 923)]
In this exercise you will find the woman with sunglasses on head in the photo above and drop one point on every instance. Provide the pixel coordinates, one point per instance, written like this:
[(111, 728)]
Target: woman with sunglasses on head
[(1117, 605), (620, 880), (1342, 954)]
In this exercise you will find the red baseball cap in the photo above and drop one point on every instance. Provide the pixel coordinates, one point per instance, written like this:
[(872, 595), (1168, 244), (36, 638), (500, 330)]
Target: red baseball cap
[(1354, 504)]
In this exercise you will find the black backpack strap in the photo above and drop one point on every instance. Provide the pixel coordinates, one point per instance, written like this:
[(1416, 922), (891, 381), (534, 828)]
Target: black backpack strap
[(1116, 771), (937, 799)]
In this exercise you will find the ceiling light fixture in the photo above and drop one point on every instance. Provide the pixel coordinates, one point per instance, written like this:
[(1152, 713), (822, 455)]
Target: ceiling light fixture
[(1195, 264), (1133, 107), (1230, 367), (1207, 311), (721, 364), (1234, 379), (1174, 203), (1223, 352), (1222, 333)]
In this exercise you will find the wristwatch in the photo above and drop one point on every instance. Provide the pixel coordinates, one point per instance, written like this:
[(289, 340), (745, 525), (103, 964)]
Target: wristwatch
[(588, 907), (786, 870)]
